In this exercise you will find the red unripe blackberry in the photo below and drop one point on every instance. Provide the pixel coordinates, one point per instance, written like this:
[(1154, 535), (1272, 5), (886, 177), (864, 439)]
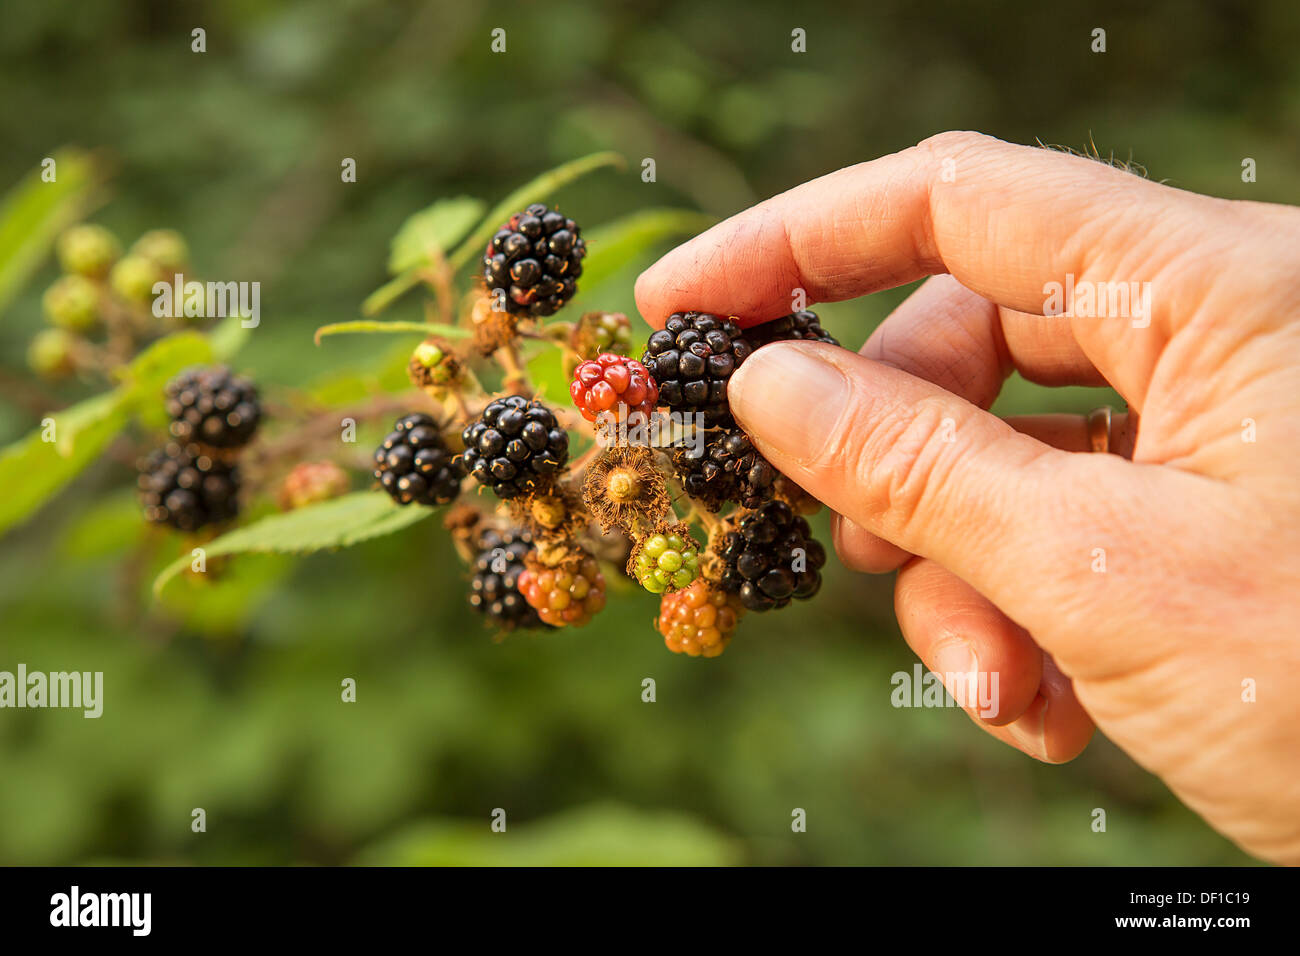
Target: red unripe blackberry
[(414, 465), (614, 384), (516, 447), (729, 469), (186, 488), (311, 482), (212, 407), (769, 557), (535, 259), (495, 587), (691, 359), (698, 620), (801, 326), (564, 597)]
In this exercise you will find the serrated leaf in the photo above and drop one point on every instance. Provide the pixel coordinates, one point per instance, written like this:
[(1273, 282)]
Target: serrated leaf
[(612, 246), (435, 229), (338, 523), (370, 327), (536, 190), (33, 469), (34, 212)]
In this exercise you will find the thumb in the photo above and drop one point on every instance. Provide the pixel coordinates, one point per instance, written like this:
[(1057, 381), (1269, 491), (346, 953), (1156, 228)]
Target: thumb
[(939, 477)]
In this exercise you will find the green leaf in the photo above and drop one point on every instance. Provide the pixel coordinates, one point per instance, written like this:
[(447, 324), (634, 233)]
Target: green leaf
[(371, 326), (34, 469), (34, 212), (536, 190), (436, 228), (148, 374), (229, 336), (338, 523), (615, 244)]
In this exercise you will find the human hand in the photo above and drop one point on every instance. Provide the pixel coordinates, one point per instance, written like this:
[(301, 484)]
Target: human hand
[(994, 525)]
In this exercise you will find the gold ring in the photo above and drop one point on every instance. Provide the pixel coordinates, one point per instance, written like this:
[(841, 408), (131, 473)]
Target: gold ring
[(1099, 429)]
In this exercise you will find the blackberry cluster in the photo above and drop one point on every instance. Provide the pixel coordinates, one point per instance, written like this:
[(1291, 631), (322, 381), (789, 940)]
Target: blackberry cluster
[(691, 359), (516, 447), (495, 587), (183, 487), (414, 465), (759, 558), (729, 469), (797, 327), (213, 407), (536, 259)]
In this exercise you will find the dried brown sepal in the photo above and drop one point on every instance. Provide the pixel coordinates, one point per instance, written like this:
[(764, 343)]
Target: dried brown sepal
[(492, 329), (553, 514), (625, 490)]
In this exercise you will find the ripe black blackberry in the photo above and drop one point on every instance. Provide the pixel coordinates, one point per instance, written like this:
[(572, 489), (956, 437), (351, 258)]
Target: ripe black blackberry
[(730, 468), (798, 326), (495, 589), (184, 487), (213, 407), (536, 259), (414, 465), (515, 447), (691, 359), (760, 555)]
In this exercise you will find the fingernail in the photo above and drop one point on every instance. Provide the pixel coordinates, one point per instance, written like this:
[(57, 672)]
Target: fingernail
[(1030, 729), (789, 397), (958, 668)]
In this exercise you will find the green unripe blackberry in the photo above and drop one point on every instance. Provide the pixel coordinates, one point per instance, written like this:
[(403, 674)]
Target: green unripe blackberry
[(50, 353), (164, 247), (88, 250), (186, 488), (133, 278), (72, 302), (666, 562), (602, 332)]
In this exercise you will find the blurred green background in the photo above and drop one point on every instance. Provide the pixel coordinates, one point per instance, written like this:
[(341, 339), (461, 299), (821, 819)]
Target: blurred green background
[(226, 696)]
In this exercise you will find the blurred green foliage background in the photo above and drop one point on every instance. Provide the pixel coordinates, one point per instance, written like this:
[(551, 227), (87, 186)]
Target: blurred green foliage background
[(226, 696)]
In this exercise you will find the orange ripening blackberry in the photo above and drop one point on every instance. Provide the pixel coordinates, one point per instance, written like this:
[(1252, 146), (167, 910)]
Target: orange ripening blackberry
[(698, 620)]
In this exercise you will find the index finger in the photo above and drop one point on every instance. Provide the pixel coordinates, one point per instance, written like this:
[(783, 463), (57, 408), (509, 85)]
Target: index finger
[(1003, 219)]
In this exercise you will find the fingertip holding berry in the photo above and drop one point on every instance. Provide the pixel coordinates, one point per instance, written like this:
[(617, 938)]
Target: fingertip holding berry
[(565, 596), (698, 620), (615, 386), (516, 447), (415, 466), (667, 560), (534, 261)]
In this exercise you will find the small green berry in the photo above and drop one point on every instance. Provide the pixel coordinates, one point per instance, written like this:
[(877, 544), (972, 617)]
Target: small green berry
[(72, 302), (133, 278), (88, 250), (50, 353), (655, 546), (165, 247), (670, 561), (683, 579)]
